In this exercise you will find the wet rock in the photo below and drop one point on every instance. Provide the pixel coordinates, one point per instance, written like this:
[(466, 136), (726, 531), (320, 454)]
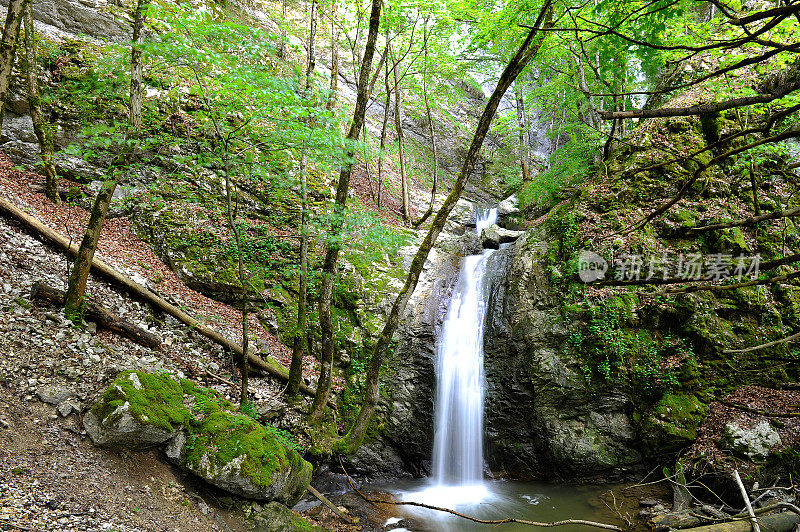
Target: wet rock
[(540, 414), (493, 236), (408, 407), (275, 517), (467, 243), (754, 441)]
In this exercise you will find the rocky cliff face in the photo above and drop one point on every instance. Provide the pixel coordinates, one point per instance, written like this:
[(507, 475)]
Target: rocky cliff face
[(405, 443), (541, 418), (70, 19)]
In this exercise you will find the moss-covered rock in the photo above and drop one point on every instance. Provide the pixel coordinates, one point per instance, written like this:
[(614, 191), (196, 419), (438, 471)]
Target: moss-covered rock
[(239, 455), (275, 517), (673, 422), (137, 410), (206, 435)]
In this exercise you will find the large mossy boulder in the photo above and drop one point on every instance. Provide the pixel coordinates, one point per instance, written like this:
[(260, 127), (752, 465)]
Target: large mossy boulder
[(241, 456), (204, 434), (138, 410)]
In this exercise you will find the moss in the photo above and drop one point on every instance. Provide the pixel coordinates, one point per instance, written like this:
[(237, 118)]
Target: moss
[(227, 436), (730, 240), (153, 399), (685, 218), (673, 422), (216, 432), (685, 410)]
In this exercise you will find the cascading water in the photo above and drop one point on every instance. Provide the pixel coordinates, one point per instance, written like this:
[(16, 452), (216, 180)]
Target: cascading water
[(458, 437), (457, 473)]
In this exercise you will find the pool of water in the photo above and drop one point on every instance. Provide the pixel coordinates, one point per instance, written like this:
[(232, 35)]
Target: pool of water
[(533, 501)]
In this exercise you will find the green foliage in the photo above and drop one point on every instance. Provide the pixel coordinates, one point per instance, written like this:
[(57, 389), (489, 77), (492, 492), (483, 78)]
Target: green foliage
[(284, 437), (615, 351), (788, 460)]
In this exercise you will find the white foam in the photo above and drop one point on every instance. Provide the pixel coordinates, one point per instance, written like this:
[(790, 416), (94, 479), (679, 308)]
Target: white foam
[(451, 497)]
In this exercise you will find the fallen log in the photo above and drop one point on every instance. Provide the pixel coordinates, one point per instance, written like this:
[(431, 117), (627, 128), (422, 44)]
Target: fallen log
[(93, 311), (324, 500), (780, 522), (268, 366)]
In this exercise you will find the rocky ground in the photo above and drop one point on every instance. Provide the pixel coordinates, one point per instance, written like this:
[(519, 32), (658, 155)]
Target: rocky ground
[(51, 476), (119, 247)]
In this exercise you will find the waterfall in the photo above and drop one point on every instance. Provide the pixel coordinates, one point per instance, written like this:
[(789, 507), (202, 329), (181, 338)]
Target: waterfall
[(485, 218), (458, 436)]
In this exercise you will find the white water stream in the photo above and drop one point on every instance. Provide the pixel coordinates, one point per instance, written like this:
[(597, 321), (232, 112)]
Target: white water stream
[(458, 413), (458, 436), (457, 471)]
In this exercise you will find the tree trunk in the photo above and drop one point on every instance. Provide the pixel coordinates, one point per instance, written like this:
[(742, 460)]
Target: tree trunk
[(282, 49), (356, 52), (44, 133), (523, 131), (779, 522), (244, 366), (398, 127), (384, 126), (136, 67), (609, 144), (754, 186), (352, 441), (378, 68), (299, 346), (76, 287), (432, 130), (333, 246), (8, 47), (334, 59)]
